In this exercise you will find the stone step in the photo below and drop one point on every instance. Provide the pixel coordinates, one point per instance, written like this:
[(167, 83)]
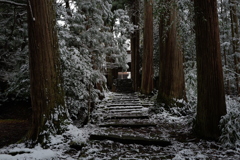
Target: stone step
[(121, 112), (128, 101), (124, 107), (122, 98), (124, 104), (131, 116), (126, 110), (128, 121), (125, 139), (131, 125), (131, 104), (126, 96)]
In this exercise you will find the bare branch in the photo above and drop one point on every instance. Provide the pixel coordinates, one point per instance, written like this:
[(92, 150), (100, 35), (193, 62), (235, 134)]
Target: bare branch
[(13, 3)]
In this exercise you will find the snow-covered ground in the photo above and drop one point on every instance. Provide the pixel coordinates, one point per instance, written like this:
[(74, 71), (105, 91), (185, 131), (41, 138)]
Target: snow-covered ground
[(58, 149), (171, 126)]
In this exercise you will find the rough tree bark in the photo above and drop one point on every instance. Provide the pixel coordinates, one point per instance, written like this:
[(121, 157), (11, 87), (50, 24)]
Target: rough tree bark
[(171, 74), (147, 59), (211, 97), (135, 56), (47, 96)]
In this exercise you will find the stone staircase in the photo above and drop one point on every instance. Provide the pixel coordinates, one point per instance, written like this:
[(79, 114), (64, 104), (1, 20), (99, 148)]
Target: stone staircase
[(124, 117)]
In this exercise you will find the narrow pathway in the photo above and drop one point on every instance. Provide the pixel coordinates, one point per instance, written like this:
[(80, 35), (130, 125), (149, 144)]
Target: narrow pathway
[(124, 120), (121, 117)]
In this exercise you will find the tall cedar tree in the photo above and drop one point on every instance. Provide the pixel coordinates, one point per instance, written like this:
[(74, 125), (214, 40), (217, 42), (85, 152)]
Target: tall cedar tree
[(171, 75), (147, 59), (211, 97), (235, 40), (135, 56), (47, 95)]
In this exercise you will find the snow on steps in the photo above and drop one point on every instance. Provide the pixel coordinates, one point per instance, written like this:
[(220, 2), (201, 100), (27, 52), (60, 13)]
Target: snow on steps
[(131, 139), (132, 125), (126, 111)]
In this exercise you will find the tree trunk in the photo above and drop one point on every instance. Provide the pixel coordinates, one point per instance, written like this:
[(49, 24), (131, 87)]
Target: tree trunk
[(171, 74), (147, 60), (235, 40), (47, 96), (135, 64), (211, 97)]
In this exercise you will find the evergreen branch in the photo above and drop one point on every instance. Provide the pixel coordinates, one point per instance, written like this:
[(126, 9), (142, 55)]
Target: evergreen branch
[(13, 3)]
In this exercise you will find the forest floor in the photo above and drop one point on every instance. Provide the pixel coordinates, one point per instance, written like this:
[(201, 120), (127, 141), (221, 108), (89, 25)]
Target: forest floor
[(118, 136), (174, 127), (14, 122)]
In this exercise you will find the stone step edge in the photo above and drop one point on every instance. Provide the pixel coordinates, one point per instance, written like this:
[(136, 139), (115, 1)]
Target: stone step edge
[(130, 125), (131, 140), (127, 117)]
